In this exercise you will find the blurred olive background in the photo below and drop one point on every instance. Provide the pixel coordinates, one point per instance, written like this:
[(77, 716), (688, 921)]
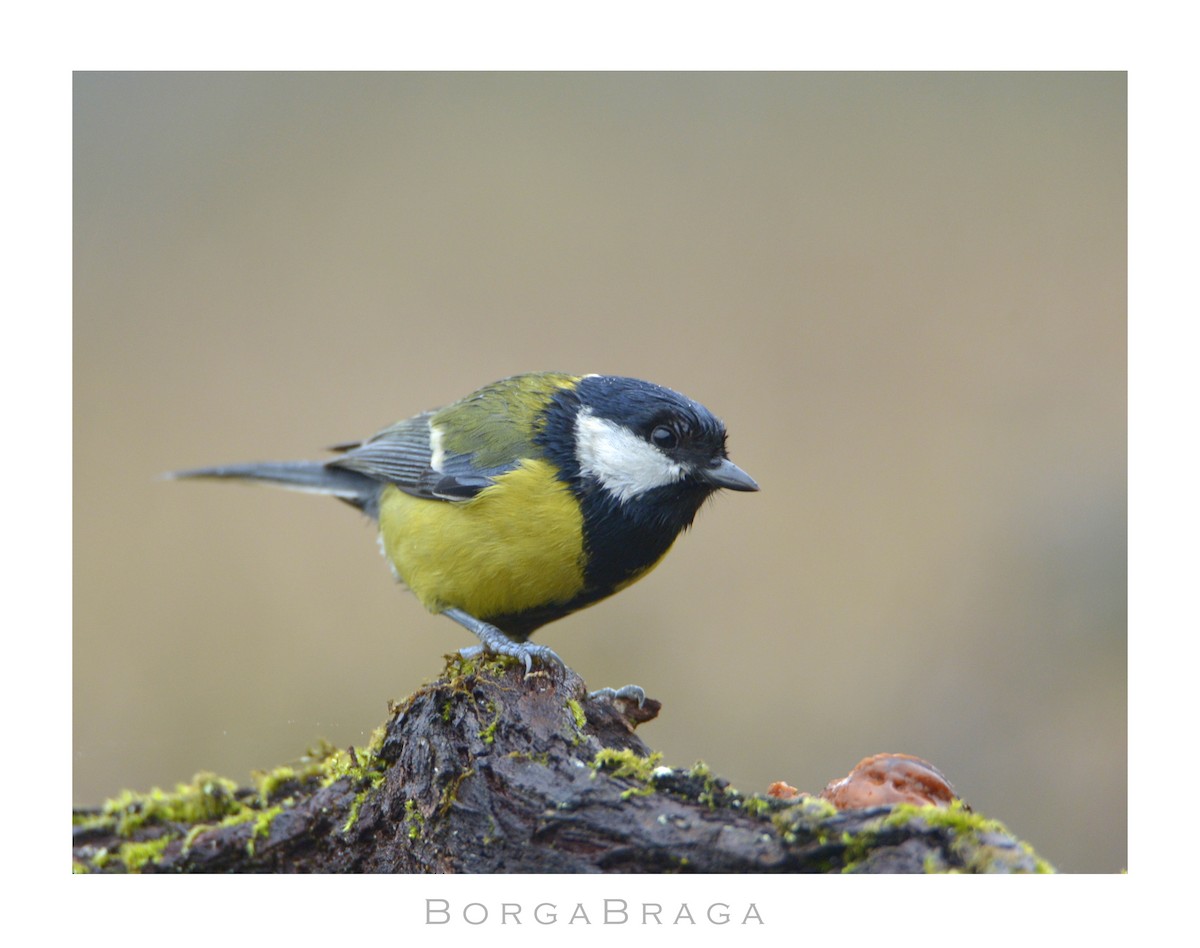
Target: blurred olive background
[(904, 293)]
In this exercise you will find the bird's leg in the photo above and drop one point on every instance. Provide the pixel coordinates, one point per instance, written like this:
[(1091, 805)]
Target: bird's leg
[(496, 642)]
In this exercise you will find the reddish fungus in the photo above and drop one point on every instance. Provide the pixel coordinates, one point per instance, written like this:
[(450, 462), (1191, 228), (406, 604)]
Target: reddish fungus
[(886, 779)]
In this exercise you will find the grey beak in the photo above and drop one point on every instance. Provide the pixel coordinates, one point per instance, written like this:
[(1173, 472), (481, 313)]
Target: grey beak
[(724, 473)]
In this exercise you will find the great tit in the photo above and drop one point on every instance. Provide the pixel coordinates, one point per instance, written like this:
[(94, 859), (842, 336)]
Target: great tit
[(531, 498)]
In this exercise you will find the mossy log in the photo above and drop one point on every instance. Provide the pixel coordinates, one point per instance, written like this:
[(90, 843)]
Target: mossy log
[(485, 770)]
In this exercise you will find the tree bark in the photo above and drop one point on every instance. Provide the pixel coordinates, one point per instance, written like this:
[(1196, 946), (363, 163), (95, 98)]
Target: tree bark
[(485, 770)]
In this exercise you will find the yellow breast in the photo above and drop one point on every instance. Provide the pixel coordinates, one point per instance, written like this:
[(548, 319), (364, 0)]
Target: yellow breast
[(516, 545)]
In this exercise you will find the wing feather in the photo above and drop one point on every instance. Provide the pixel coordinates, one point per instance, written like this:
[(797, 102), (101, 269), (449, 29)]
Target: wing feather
[(404, 455), (455, 452)]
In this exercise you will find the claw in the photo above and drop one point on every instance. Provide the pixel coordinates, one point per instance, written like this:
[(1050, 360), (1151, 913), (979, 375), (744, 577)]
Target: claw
[(628, 692), (493, 640)]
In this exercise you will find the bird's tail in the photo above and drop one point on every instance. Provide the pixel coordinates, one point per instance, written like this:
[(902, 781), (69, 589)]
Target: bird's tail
[(314, 477)]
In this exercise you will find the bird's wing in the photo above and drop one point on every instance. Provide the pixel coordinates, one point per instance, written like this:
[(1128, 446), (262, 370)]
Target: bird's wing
[(455, 452), (409, 454)]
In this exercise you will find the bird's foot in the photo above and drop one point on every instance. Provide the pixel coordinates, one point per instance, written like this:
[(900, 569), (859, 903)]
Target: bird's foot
[(628, 692), (494, 641)]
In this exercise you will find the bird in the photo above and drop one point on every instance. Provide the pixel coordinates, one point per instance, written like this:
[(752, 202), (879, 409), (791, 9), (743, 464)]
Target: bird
[(527, 500)]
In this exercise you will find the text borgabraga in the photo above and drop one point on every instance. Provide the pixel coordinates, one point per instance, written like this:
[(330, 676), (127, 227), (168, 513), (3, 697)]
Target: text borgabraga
[(600, 912)]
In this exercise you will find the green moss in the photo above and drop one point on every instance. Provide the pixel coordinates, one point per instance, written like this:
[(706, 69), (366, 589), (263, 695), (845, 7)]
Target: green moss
[(711, 792), (352, 818), (366, 770), (450, 793), (102, 857), (756, 806), (208, 797), (137, 855), (490, 836), (262, 827), (807, 817), (983, 844), (542, 758), (708, 795), (245, 815), (935, 865), (322, 764), (857, 847), (458, 669), (270, 783), (956, 818), (261, 819), (373, 782), (817, 808), (627, 764), (413, 819), (359, 766), (488, 734), (1041, 866), (193, 834), (578, 722), (210, 802)]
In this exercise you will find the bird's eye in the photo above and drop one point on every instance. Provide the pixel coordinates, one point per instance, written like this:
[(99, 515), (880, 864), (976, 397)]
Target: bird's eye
[(664, 437)]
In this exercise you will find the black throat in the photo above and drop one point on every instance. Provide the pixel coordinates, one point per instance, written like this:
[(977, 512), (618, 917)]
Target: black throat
[(621, 539)]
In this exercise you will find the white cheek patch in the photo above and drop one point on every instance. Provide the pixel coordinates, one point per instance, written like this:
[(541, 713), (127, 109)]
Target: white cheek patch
[(624, 464)]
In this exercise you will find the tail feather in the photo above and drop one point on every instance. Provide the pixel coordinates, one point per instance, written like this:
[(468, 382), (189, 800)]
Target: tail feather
[(314, 477)]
